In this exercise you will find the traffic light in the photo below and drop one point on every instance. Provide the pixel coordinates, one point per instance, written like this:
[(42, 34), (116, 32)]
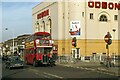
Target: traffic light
[(74, 42), (109, 41), (109, 35), (109, 38)]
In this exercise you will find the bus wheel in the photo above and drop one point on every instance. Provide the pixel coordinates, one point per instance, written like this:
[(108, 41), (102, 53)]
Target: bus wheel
[(34, 63), (51, 64), (9, 68)]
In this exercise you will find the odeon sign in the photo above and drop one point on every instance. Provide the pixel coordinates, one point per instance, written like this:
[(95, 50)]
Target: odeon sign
[(43, 14), (104, 5)]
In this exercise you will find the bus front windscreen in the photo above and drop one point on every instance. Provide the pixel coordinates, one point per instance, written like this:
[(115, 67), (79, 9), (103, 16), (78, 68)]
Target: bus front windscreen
[(47, 50), (40, 50)]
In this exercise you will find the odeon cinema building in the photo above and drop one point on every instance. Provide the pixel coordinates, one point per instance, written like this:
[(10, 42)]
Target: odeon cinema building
[(86, 21)]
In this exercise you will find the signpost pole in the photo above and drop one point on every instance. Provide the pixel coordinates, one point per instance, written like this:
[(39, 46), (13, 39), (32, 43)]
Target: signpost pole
[(107, 50), (108, 40)]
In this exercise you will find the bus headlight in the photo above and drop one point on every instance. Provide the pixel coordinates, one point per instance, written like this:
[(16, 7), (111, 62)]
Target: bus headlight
[(51, 41)]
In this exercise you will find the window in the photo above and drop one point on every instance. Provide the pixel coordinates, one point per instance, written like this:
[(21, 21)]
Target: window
[(48, 27), (50, 23), (44, 26), (39, 36), (37, 26), (27, 51), (31, 51), (91, 15), (11, 44), (115, 17), (103, 18), (40, 50), (47, 50), (47, 36), (82, 14)]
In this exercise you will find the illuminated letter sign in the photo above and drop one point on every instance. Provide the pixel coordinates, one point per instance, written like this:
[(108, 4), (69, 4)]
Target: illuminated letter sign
[(97, 4), (104, 5), (91, 4), (117, 6), (110, 5), (43, 14)]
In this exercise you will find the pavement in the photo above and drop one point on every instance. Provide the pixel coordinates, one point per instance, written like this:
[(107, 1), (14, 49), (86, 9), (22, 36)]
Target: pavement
[(93, 66)]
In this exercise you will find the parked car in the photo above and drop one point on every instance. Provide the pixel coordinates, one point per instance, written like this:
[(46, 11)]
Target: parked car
[(4, 58), (14, 61)]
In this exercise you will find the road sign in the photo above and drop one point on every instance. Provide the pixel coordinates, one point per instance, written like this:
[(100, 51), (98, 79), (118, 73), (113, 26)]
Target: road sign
[(74, 42), (106, 38), (75, 28)]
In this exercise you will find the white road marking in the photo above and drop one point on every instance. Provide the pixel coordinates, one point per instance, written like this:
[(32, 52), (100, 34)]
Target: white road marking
[(33, 70), (77, 67), (53, 75), (46, 76), (36, 72), (107, 73)]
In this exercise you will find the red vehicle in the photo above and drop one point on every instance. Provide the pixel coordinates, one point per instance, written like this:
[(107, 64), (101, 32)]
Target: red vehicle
[(38, 49)]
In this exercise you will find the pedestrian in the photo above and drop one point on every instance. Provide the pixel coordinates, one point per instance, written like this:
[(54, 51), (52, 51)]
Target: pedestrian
[(108, 62)]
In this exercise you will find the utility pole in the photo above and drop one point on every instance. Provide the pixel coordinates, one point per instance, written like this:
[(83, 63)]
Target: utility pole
[(114, 44), (108, 40)]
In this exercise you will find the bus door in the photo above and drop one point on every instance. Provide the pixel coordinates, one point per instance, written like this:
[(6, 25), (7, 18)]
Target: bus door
[(44, 57), (39, 53), (27, 55), (32, 55)]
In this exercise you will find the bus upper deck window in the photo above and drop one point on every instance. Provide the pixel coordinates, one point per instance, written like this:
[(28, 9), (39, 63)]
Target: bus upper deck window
[(38, 36), (47, 37)]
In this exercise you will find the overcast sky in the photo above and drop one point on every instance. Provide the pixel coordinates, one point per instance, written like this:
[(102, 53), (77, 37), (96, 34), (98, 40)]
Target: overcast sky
[(17, 17)]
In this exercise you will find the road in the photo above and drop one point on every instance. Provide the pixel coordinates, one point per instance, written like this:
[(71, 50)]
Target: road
[(47, 72)]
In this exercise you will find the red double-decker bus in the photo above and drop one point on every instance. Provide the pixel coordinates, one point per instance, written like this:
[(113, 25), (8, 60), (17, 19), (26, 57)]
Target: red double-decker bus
[(38, 49)]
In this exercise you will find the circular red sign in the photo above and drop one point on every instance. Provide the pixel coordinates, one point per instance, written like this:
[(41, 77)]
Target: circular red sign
[(72, 42), (106, 38)]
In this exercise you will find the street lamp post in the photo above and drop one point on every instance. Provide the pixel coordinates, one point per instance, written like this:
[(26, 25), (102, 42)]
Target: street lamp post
[(13, 42), (13, 38), (114, 44)]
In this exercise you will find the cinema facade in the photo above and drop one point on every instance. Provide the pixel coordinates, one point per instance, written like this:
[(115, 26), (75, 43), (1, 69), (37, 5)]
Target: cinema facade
[(88, 21)]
